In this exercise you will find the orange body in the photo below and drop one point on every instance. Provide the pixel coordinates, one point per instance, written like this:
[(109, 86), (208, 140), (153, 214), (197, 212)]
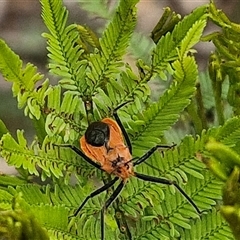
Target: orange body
[(114, 160)]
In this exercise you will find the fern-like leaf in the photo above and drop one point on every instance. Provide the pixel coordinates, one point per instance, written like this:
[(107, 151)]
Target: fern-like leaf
[(53, 163), (64, 114), (167, 48), (24, 81), (209, 226), (105, 64), (35, 199), (159, 116), (65, 53)]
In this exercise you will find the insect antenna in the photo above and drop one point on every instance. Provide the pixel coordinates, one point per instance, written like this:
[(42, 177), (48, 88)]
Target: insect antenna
[(150, 152), (124, 132)]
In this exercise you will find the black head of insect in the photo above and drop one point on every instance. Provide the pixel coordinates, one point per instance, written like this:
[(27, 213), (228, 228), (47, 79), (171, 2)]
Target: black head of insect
[(97, 134)]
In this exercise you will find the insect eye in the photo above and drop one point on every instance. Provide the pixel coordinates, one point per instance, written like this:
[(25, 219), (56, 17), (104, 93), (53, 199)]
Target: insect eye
[(97, 134)]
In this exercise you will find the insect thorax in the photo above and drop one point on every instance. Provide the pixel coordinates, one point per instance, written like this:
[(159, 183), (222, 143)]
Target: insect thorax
[(118, 162)]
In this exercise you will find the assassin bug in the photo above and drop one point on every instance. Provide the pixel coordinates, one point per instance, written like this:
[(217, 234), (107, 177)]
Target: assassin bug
[(103, 147)]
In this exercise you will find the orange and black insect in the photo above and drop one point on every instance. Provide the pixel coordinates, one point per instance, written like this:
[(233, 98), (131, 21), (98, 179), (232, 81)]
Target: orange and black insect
[(104, 148)]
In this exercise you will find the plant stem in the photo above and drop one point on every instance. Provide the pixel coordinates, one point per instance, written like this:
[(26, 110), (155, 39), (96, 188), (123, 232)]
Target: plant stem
[(194, 117), (217, 89), (201, 109)]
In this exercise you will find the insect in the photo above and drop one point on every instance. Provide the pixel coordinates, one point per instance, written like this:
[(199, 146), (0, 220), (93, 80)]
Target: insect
[(103, 147)]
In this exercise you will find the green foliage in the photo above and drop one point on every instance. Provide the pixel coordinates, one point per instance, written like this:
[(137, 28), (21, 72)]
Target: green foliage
[(20, 224), (24, 81), (225, 60), (93, 79), (223, 71), (224, 161)]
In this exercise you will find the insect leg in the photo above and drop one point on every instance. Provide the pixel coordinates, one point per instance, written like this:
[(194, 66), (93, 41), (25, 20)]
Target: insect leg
[(95, 193), (80, 153), (168, 182), (108, 203), (124, 132), (150, 152)]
